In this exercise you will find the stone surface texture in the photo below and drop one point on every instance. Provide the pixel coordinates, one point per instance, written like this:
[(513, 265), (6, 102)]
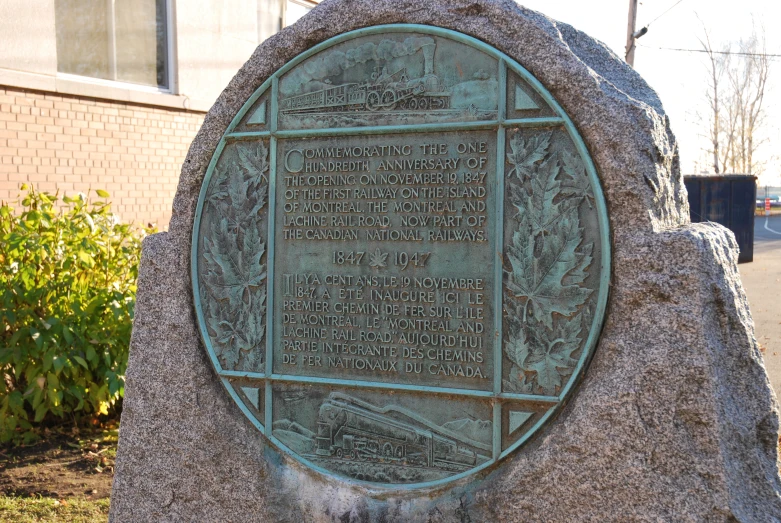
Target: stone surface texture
[(674, 420)]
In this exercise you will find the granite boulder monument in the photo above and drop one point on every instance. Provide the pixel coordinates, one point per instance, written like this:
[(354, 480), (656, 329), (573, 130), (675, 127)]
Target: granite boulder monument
[(432, 261)]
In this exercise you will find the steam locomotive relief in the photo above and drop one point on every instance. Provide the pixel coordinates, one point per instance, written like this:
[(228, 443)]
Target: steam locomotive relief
[(351, 429), (384, 91)]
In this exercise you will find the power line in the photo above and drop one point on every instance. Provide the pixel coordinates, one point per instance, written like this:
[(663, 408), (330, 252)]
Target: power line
[(664, 13), (767, 55)]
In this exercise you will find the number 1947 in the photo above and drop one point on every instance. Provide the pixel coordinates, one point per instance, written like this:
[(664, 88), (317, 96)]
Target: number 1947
[(416, 259)]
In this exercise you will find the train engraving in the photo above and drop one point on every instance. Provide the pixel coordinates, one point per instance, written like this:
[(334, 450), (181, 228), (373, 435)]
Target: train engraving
[(383, 91), (352, 429)]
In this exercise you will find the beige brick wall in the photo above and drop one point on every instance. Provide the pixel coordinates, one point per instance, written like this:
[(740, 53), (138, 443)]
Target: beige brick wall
[(71, 143)]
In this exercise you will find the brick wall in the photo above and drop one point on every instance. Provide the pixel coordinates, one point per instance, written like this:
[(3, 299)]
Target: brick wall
[(71, 143)]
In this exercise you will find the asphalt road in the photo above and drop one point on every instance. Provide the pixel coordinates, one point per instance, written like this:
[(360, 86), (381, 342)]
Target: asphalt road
[(762, 282), (767, 232)]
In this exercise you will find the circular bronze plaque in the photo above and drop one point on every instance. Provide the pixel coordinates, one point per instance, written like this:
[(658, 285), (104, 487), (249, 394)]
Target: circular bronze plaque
[(400, 257)]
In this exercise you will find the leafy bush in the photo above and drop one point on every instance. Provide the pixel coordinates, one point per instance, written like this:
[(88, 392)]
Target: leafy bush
[(67, 292)]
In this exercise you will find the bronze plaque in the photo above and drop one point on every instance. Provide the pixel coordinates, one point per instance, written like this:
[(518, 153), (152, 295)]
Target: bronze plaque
[(400, 257), (385, 259)]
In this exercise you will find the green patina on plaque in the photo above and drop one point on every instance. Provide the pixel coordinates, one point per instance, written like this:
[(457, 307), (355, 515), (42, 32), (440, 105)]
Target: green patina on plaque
[(400, 257)]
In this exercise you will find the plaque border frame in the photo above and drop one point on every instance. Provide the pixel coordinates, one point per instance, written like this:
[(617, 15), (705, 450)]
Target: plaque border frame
[(501, 123)]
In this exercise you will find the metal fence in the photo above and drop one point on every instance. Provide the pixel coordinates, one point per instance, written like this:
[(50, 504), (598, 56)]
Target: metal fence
[(771, 193)]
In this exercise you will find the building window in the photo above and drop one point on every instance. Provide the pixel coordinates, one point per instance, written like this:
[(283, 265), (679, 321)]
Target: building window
[(295, 9), (118, 40)]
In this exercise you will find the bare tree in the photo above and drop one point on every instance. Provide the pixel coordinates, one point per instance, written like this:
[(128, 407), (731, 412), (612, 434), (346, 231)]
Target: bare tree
[(713, 95), (736, 105), (748, 80)]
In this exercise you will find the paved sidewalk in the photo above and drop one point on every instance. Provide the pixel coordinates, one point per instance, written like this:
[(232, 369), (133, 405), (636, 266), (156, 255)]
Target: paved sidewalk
[(762, 282)]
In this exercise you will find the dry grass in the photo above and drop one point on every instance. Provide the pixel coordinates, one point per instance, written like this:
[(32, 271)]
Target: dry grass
[(46, 510)]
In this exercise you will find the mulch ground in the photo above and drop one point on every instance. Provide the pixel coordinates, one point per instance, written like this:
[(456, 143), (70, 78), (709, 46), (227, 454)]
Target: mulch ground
[(63, 465)]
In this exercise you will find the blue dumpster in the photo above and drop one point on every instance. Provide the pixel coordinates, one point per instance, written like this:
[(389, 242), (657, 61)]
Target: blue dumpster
[(728, 200)]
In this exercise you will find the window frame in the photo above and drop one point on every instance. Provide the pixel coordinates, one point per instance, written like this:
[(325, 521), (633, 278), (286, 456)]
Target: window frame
[(170, 47)]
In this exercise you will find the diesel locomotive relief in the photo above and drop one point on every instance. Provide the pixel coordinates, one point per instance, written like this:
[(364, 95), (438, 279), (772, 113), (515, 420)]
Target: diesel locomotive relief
[(361, 439)]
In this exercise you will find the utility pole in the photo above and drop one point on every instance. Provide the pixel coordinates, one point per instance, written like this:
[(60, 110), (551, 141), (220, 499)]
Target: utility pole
[(630, 33)]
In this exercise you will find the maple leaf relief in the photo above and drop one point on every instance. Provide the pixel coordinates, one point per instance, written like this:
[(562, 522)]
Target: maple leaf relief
[(237, 197), (517, 348), (539, 198), (239, 339), (525, 153), (547, 265), (378, 259), (232, 275), (577, 183), (538, 281), (235, 270), (542, 357)]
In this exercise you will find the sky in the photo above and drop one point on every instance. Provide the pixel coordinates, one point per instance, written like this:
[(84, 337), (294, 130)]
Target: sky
[(680, 78)]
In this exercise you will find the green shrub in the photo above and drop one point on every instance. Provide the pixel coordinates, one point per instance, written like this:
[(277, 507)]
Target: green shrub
[(67, 292)]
